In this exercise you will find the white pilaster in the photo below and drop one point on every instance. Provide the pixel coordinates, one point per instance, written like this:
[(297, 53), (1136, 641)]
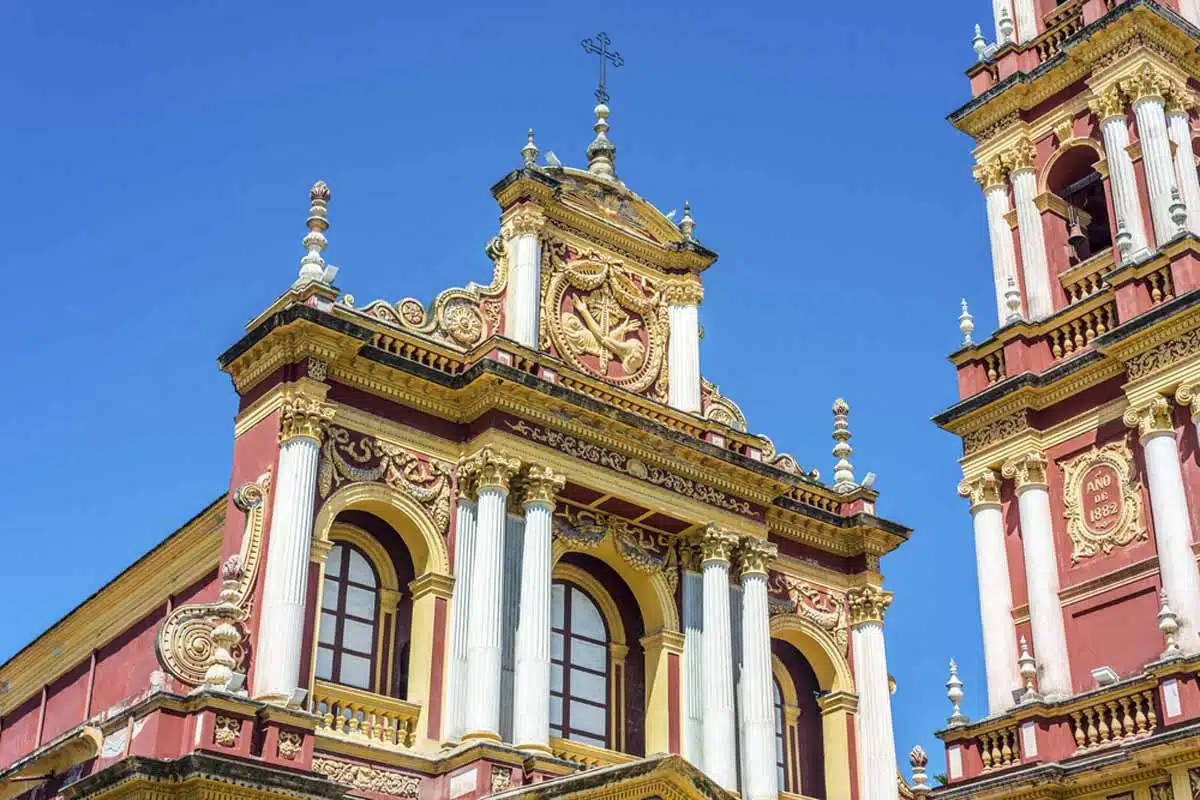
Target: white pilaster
[(1172, 527), (1026, 18), (1110, 107), (1160, 168), (759, 779), (683, 346), (873, 725), (531, 723), (482, 720), (1179, 128), (720, 747), (1039, 303), (464, 557), (1004, 257), (693, 667), (285, 584), (524, 280), (1041, 574), (995, 606)]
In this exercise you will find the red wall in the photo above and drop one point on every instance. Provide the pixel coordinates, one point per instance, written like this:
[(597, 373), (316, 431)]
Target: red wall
[(19, 731), (65, 702)]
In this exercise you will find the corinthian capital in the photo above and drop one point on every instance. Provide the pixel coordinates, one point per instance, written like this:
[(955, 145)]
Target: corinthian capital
[(303, 415), (1149, 82), (487, 469), (541, 485), (1179, 98), (983, 489), (991, 174), (683, 292), (717, 544), (867, 604), (1027, 470), (525, 218), (755, 555), (1189, 395), (1108, 103), (1153, 417), (1020, 156)]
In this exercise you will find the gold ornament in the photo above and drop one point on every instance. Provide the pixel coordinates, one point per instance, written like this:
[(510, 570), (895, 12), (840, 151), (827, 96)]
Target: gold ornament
[(501, 778), (993, 433), (1163, 355), (1103, 501), (523, 219), (303, 416), (1153, 417), (754, 555), (867, 604), (289, 745), (1110, 102), (1020, 156), (464, 323), (817, 604), (367, 778), (1148, 82), (1027, 470), (541, 485), (984, 489), (992, 173), (683, 292), (226, 730), (1189, 396), (717, 544), (488, 469)]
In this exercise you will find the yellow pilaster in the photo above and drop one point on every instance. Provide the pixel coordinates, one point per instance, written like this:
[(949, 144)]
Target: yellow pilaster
[(427, 590), (659, 647), (837, 715)]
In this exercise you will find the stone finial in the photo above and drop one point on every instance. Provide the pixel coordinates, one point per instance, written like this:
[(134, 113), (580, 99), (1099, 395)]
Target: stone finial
[(529, 152), (966, 324), (843, 470), (1027, 665), (226, 635), (601, 153), (1168, 623), (1178, 210), (954, 693), (312, 266), (979, 44), (1005, 25), (687, 224), (919, 760), (1124, 240), (1012, 301)]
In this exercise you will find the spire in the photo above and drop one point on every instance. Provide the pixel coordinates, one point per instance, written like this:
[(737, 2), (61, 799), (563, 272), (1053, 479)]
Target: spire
[(530, 151), (601, 153), (843, 471), (966, 324), (687, 224), (312, 266)]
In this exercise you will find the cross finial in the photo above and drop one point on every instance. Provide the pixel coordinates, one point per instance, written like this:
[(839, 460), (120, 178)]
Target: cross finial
[(599, 47)]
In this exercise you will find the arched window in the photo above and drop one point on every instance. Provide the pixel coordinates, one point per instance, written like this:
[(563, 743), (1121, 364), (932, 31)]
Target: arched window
[(349, 609), (780, 743), (578, 667)]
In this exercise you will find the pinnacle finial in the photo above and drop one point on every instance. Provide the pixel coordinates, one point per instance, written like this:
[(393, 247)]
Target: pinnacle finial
[(1168, 623), (966, 324), (312, 266), (1027, 666), (1178, 210), (1005, 25), (979, 43), (1124, 240), (530, 151), (843, 471), (954, 693), (687, 224), (601, 153), (918, 759), (1012, 300)]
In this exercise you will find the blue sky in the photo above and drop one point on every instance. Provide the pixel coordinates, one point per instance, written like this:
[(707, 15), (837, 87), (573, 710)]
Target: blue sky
[(158, 157)]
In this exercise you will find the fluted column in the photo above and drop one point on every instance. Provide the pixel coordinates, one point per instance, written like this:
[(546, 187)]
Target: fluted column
[(302, 423), (876, 745), (1179, 129), (523, 301), (992, 176), (466, 512), (995, 591), (760, 781), (1147, 90), (1026, 19), (720, 745), (683, 298), (491, 473), (1041, 573), (1039, 302), (693, 653), (531, 710), (1169, 505), (1109, 108)]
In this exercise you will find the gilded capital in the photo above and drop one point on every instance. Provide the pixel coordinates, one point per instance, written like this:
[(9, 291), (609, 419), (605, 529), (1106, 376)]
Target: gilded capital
[(1151, 418), (303, 415), (541, 485), (717, 544), (468, 478), (866, 604), (1179, 99), (683, 292), (1189, 396), (488, 469), (754, 555), (1020, 156), (1147, 83), (1027, 470), (1108, 103), (525, 218), (983, 489), (991, 174)]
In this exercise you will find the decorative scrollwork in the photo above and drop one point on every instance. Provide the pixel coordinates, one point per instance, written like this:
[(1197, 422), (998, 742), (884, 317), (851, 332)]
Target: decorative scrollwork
[(823, 607), (1103, 501), (644, 550), (720, 409), (368, 778)]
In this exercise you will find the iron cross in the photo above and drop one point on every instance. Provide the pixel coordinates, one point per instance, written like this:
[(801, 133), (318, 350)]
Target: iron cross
[(600, 47)]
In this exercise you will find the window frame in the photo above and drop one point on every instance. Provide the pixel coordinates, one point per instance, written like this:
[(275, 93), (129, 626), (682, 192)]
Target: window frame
[(564, 729), (341, 578)]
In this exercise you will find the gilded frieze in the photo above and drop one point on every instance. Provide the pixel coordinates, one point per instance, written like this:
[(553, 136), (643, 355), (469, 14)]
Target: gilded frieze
[(644, 550), (821, 606), (376, 780), (1103, 501), (995, 432), (1164, 355), (350, 457)]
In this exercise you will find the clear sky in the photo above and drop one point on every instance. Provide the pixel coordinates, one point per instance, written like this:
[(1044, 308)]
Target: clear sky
[(158, 158)]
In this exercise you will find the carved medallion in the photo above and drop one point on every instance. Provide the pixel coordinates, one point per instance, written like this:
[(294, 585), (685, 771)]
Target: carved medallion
[(1103, 501)]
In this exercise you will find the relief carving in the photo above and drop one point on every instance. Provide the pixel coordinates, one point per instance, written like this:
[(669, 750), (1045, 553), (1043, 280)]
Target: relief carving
[(1103, 501)]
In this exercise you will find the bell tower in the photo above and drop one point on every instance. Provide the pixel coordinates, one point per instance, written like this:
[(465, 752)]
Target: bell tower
[(1077, 411)]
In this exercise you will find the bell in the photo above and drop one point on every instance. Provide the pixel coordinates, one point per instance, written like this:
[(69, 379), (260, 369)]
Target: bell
[(1076, 236)]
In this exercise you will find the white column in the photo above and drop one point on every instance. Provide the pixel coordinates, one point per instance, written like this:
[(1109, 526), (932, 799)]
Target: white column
[(683, 346), (1172, 528), (285, 584), (524, 280), (464, 557), (1160, 168), (1190, 9), (1038, 300), (997, 5), (1179, 128), (873, 725), (1004, 257), (492, 472), (1041, 574), (720, 748), (1110, 108), (531, 721), (693, 662), (995, 591), (760, 779)]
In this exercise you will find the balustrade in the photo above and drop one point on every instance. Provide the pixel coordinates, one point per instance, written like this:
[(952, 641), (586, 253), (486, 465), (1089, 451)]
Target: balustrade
[(364, 717), (1075, 334), (994, 365), (1158, 283), (1061, 24), (999, 748), (1087, 278), (1114, 721)]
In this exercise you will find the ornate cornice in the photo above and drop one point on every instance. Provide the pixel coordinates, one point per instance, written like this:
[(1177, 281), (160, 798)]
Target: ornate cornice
[(1151, 418), (867, 604), (995, 432), (1028, 470), (983, 489)]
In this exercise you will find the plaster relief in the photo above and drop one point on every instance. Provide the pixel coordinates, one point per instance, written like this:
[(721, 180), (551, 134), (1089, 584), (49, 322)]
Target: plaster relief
[(1103, 502)]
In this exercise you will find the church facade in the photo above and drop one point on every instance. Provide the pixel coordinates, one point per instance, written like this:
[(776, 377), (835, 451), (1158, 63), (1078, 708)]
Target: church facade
[(1081, 464), (508, 544)]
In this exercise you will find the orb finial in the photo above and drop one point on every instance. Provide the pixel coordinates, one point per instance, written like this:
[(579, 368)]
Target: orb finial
[(601, 153), (918, 759), (530, 151), (1027, 666), (966, 323), (687, 224), (843, 470), (979, 44), (312, 266)]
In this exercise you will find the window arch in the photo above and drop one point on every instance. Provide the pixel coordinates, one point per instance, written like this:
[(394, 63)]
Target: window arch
[(346, 644), (579, 667)]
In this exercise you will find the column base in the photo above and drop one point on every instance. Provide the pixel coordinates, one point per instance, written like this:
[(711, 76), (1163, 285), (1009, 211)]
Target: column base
[(481, 736)]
